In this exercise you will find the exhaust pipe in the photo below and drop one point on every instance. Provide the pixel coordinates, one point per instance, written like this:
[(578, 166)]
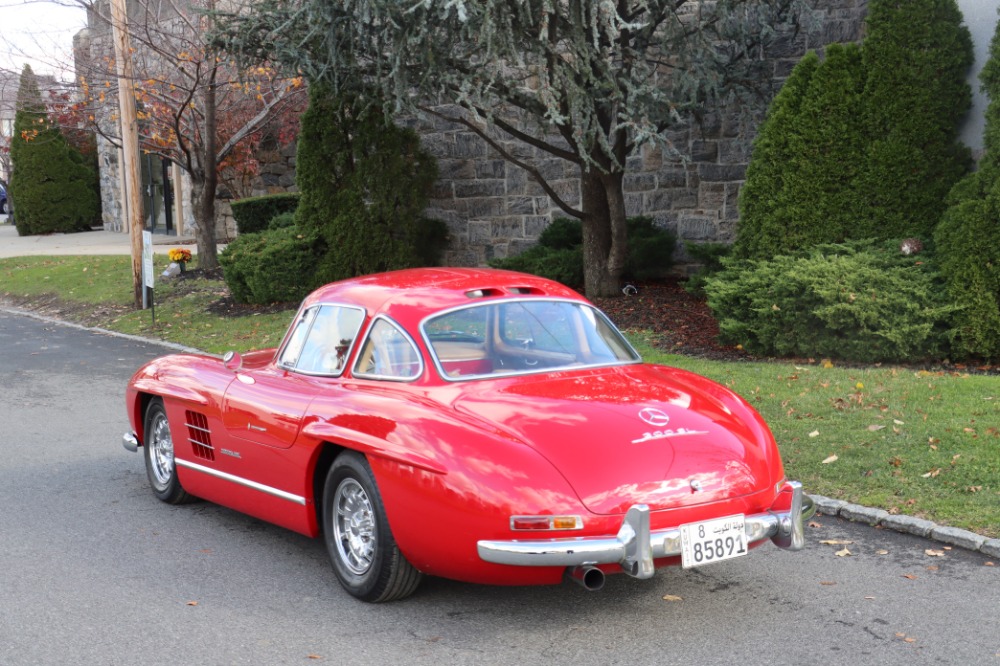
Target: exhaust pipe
[(588, 577)]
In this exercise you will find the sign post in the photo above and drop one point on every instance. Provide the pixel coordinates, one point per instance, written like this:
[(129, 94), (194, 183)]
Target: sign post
[(147, 273)]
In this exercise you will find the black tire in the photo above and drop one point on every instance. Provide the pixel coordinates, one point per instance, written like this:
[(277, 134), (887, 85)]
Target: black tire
[(363, 552), (158, 450)]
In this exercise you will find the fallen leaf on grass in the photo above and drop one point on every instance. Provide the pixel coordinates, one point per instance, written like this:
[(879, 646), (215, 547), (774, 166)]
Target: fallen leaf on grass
[(930, 552), (898, 422), (814, 433), (831, 459), (672, 597), (876, 427), (931, 474)]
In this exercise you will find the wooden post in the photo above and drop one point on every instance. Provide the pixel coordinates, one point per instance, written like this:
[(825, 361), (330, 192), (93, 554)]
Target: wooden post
[(130, 142)]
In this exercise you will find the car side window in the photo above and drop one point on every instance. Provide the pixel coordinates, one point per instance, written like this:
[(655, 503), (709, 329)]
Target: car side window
[(388, 353), (322, 340)]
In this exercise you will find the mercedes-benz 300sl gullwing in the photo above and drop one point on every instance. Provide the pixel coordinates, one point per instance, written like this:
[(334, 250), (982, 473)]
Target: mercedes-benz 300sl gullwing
[(473, 424)]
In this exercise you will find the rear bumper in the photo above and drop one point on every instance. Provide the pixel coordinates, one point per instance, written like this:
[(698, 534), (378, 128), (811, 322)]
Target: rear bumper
[(636, 546), (130, 442)]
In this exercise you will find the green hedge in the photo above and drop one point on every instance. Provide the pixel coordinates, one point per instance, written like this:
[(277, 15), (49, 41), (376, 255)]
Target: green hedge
[(273, 266), (862, 301), (255, 214)]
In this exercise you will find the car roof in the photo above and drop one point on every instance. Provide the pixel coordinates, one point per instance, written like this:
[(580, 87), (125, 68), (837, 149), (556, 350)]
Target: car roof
[(417, 292)]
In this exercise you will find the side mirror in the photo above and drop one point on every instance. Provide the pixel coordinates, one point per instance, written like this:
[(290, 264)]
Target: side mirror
[(232, 360)]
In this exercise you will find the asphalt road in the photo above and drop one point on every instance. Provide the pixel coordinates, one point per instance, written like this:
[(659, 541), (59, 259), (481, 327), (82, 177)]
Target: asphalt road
[(94, 570)]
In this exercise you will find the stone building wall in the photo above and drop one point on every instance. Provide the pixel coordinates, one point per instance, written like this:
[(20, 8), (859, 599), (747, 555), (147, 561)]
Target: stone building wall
[(494, 209)]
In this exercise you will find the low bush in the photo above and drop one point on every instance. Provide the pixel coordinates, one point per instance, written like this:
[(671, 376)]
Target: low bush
[(559, 253), (255, 214), (862, 301), (711, 257), (273, 266)]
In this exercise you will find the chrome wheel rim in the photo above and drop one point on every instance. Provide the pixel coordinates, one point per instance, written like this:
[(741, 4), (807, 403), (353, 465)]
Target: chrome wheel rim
[(161, 448), (354, 527)]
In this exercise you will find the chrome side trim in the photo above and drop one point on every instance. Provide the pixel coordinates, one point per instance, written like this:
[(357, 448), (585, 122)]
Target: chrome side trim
[(635, 546), (241, 481)]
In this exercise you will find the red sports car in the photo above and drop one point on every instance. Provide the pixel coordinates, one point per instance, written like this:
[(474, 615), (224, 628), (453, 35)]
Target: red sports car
[(479, 425)]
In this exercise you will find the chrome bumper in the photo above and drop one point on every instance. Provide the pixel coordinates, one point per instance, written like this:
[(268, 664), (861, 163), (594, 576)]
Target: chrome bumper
[(635, 546), (130, 442)]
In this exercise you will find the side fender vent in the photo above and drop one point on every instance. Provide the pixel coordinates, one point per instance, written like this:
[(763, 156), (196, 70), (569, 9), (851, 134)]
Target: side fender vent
[(199, 435)]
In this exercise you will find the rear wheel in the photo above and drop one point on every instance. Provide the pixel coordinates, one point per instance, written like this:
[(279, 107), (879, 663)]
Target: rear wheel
[(363, 552), (158, 449)]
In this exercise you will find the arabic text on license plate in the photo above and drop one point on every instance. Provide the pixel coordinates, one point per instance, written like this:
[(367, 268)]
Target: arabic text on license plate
[(713, 541)]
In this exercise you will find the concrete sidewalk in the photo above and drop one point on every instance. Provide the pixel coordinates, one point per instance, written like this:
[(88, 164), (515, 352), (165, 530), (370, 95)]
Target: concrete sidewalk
[(83, 243)]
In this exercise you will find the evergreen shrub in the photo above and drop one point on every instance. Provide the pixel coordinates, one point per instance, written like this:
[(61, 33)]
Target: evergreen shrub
[(272, 266), (711, 257), (558, 255), (50, 182), (862, 301), (255, 213), (364, 184)]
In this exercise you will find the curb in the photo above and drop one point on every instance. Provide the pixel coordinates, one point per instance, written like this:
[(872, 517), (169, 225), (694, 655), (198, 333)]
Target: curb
[(917, 526)]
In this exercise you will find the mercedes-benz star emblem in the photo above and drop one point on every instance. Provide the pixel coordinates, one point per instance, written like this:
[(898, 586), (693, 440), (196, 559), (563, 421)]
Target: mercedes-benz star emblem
[(654, 417)]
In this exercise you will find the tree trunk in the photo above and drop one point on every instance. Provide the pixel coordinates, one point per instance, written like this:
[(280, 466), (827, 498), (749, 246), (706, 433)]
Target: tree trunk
[(605, 232), (203, 188), (205, 184)]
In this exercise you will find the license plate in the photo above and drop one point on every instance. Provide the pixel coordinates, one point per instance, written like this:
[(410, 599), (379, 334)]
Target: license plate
[(713, 541)]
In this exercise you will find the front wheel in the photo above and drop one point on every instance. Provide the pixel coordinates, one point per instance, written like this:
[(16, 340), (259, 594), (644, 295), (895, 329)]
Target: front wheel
[(158, 449), (363, 552)]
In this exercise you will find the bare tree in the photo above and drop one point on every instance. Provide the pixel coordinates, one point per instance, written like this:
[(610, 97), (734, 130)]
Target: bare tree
[(194, 107)]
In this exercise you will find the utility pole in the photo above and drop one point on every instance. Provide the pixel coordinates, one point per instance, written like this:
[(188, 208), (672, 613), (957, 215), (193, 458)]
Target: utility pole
[(130, 142)]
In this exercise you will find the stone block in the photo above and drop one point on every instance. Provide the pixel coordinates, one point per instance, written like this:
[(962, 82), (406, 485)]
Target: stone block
[(695, 227), (908, 524), (828, 506), (481, 208), (958, 537), (479, 232), (863, 514), (534, 225), (721, 172), (991, 547), (490, 169), (639, 182), (468, 189), (506, 228), (704, 151), (520, 205)]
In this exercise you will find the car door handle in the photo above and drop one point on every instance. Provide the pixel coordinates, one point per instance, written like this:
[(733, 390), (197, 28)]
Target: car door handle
[(251, 426)]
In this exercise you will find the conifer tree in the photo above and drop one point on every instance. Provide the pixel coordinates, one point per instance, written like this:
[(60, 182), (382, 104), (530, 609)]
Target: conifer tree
[(364, 184), (50, 182), (917, 54), (968, 238)]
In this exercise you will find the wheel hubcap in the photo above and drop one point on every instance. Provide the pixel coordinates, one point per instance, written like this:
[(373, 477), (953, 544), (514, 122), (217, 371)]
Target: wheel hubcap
[(354, 526), (162, 450)]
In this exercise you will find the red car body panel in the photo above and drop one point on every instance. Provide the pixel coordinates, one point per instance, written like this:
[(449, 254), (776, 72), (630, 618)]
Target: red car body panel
[(454, 460)]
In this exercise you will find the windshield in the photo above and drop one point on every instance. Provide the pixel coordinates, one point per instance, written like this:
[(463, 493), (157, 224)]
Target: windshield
[(524, 336)]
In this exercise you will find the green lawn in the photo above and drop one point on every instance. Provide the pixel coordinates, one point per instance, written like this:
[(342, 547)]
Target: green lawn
[(909, 441)]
